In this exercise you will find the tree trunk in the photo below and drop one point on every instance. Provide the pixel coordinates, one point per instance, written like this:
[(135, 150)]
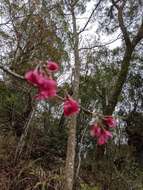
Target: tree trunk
[(113, 99), (130, 47), (70, 158)]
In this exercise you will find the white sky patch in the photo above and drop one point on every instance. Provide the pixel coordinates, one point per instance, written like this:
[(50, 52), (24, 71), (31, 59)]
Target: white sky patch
[(110, 38), (64, 78), (90, 34)]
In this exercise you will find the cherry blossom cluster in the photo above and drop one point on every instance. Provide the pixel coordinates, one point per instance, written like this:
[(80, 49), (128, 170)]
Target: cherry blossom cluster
[(42, 78), (100, 129)]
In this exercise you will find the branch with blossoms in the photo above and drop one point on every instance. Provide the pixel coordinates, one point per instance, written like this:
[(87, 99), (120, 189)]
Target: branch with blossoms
[(42, 77)]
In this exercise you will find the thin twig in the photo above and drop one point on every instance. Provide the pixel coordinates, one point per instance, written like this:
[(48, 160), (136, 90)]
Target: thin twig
[(102, 45), (11, 72), (80, 151), (86, 24), (22, 140)]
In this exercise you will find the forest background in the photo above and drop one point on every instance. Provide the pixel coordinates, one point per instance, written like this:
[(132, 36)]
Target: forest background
[(99, 48)]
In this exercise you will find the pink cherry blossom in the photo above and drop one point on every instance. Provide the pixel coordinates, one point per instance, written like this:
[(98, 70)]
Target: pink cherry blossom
[(107, 134), (34, 77), (47, 88), (110, 121), (95, 130), (52, 66), (48, 85), (103, 138), (42, 95), (70, 107)]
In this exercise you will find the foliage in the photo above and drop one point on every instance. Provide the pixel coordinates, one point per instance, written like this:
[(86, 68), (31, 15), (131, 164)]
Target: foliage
[(37, 31)]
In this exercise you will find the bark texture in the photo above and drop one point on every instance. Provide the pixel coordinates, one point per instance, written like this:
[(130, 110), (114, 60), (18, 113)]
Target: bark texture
[(129, 49), (72, 122)]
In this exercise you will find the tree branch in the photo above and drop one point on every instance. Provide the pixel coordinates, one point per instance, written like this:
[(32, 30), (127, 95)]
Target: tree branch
[(80, 151), (108, 43), (74, 3), (139, 35), (121, 22), (82, 30), (130, 46), (22, 140), (12, 73), (113, 99)]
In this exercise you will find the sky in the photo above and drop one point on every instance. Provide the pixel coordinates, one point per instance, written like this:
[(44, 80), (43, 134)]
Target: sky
[(90, 33), (88, 36)]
